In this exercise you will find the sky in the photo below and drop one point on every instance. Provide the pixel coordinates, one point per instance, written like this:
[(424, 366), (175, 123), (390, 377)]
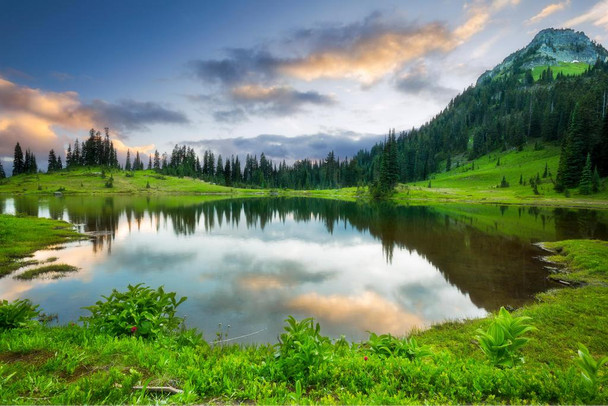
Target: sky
[(293, 79)]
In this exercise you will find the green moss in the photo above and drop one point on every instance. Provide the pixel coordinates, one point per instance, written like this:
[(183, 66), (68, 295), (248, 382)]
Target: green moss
[(56, 271)]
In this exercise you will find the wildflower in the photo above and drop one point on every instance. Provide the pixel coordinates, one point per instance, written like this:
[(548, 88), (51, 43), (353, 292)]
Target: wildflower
[(365, 358), (133, 329)]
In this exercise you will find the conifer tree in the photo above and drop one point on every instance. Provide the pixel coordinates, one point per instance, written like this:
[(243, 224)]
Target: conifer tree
[(128, 161), (52, 162), (18, 162), (586, 184), (2, 173)]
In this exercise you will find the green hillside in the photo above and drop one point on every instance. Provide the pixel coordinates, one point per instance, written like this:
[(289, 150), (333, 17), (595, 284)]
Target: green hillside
[(565, 68)]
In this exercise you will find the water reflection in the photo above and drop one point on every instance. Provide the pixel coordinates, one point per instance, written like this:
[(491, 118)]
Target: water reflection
[(250, 263)]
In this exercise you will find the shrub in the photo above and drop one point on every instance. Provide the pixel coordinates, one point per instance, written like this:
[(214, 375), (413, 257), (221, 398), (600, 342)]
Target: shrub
[(302, 348), (19, 313), (503, 339), (589, 366), (140, 311), (386, 345)]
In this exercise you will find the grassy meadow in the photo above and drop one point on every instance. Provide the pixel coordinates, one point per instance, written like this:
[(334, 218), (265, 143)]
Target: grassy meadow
[(565, 68)]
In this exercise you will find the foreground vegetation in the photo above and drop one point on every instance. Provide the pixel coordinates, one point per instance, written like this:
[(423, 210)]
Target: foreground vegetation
[(21, 236), (131, 350)]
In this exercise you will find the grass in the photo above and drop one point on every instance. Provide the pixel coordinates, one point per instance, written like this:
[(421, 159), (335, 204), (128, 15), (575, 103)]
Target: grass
[(481, 184), (582, 261), (56, 271), (467, 182), (93, 181), (565, 68), (21, 236), (73, 365)]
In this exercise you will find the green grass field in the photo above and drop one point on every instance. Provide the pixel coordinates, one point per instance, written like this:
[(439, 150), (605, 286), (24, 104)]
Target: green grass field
[(92, 181), (565, 68), (481, 184)]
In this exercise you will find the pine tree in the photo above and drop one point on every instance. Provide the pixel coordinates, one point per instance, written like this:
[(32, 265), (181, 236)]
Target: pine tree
[(156, 161), (150, 162), (2, 173), (52, 162), (128, 162), (18, 162), (448, 164), (586, 184)]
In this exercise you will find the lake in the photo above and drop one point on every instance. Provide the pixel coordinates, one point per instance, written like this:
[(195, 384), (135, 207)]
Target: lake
[(249, 263)]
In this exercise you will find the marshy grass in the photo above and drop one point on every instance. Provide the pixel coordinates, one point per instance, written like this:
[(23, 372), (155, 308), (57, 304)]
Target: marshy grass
[(55, 271)]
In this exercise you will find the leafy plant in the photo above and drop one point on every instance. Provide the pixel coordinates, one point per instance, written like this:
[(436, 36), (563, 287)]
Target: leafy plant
[(302, 348), (386, 345), (504, 338), (589, 366), (140, 311), (19, 313)]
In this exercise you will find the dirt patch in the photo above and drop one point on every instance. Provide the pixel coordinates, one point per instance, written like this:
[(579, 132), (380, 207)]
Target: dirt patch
[(34, 357)]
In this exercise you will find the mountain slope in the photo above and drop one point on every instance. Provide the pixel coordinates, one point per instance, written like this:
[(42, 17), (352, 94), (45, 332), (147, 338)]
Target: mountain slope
[(550, 47)]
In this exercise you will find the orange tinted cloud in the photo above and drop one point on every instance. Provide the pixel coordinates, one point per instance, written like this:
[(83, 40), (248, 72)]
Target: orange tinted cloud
[(547, 11), (369, 59), (368, 311)]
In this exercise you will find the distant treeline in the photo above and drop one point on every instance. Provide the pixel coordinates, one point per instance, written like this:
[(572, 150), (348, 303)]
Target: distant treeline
[(500, 113)]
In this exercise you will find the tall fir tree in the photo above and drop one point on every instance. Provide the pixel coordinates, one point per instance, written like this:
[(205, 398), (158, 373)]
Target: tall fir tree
[(586, 183), (128, 161), (2, 173), (18, 161)]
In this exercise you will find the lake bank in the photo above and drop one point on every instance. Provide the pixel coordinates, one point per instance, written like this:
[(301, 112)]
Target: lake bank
[(71, 364)]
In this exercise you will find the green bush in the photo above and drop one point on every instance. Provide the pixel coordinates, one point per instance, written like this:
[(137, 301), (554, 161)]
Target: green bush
[(589, 367), (19, 313), (503, 339), (140, 311), (385, 345), (302, 349)]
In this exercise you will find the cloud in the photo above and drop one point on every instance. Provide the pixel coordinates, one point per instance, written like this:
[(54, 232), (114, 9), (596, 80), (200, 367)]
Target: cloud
[(133, 115), (42, 120), (370, 57), (277, 99), (279, 147), (547, 11), (252, 99), (233, 116), (419, 81), (368, 311), (240, 66), (479, 16), (597, 15)]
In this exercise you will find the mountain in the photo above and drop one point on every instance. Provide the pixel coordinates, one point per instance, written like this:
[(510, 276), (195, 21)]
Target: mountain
[(550, 47)]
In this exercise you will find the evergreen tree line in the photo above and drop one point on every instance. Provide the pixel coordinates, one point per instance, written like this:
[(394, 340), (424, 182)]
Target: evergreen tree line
[(499, 113), (95, 151), (23, 164)]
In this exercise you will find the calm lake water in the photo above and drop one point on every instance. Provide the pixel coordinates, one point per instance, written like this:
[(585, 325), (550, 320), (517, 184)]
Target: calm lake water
[(250, 263)]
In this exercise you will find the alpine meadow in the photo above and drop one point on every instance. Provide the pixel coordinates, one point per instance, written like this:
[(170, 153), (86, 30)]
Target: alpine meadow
[(304, 202)]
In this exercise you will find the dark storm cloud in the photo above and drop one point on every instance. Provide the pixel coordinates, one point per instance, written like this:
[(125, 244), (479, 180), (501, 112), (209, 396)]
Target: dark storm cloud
[(134, 115), (279, 147)]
